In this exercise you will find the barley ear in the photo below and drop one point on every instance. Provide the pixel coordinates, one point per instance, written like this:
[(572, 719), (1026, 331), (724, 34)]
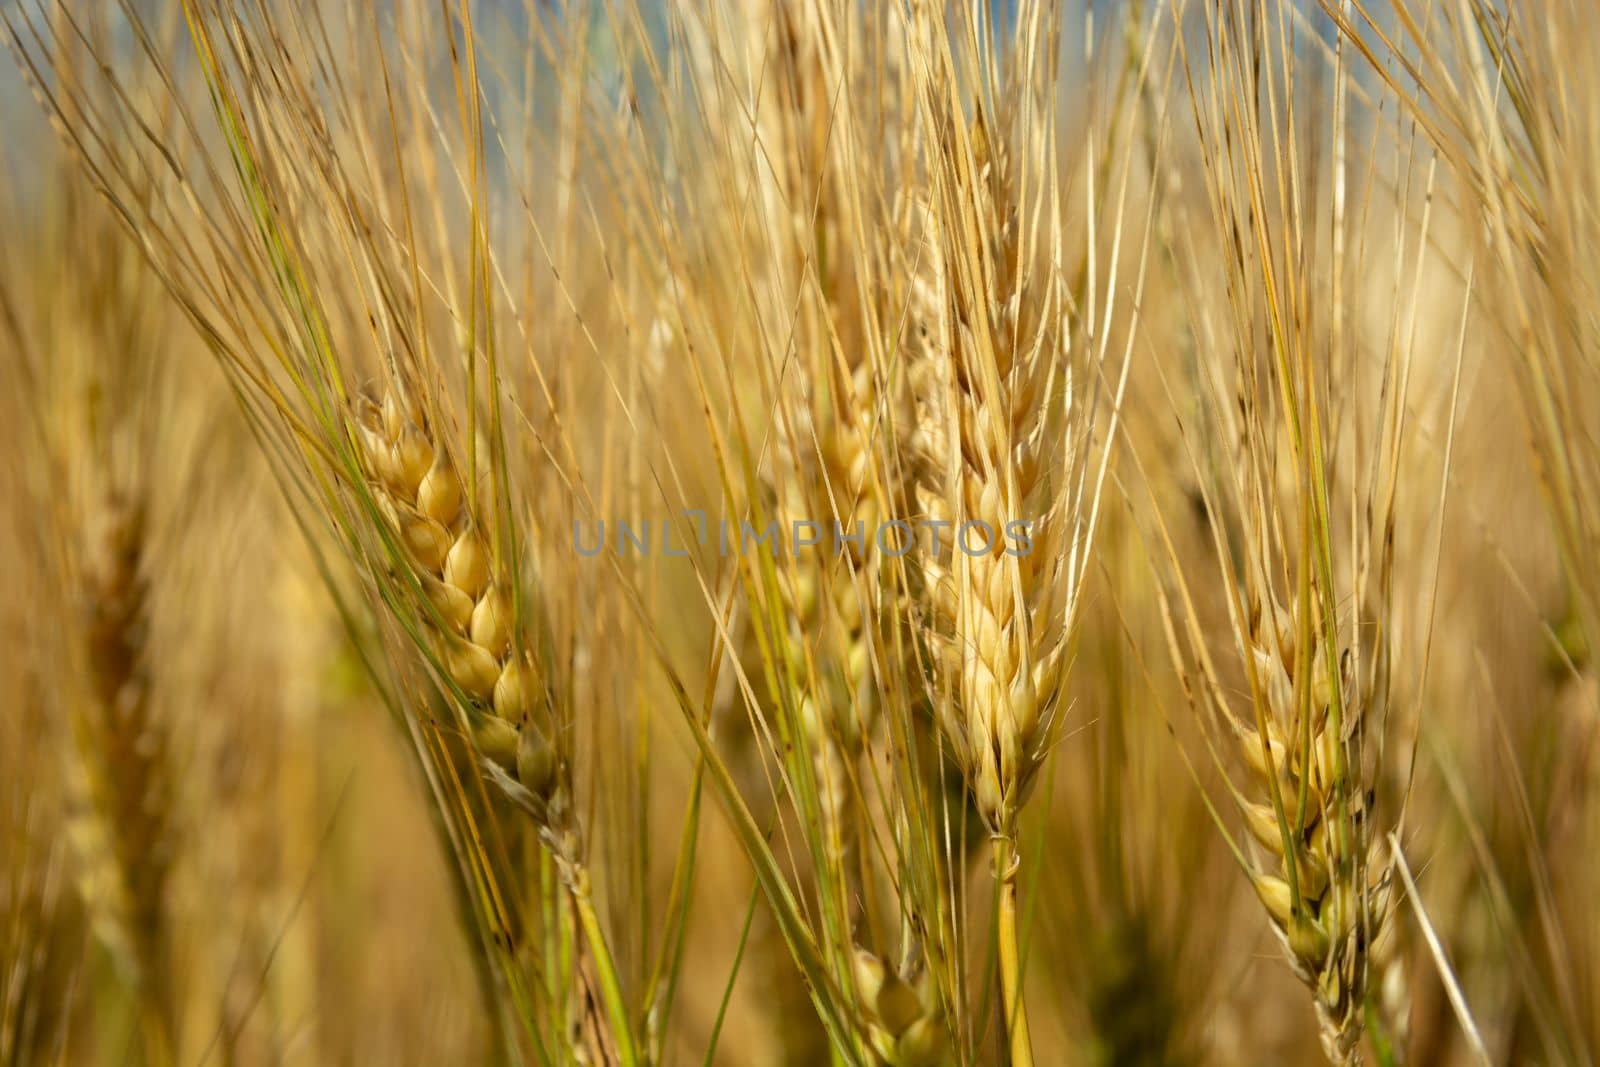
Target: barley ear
[(123, 825)]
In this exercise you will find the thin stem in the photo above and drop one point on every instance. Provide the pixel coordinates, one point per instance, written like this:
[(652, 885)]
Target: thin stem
[(157, 1035), (1016, 1012), (610, 986)]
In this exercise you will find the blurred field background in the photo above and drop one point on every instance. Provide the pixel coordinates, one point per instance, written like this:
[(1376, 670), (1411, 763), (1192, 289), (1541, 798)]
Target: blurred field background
[(321, 325)]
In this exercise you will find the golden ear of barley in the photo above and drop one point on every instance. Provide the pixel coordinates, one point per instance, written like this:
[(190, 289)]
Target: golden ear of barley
[(123, 827), (832, 416), (466, 599), (833, 600), (1327, 911), (985, 340)]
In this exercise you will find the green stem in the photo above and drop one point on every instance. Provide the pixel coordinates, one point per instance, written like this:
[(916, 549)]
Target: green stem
[(1016, 1012), (610, 986)]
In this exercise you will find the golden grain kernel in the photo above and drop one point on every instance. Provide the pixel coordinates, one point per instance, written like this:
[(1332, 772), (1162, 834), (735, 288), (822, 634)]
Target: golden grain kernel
[(399, 412), (810, 716), (858, 661), (439, 495), (454, 606), (467, 565), (1331, 990), (1256, 758), (989, 793), (1262, 822), (496, 739), (869, 975), (375, 451), (1024, 703), (491, 622), (1308, 941), (413, 456), (1325, 752), (1047, 671), (386, 464), (1008, 745), (856, 474), (896, 1005), (513, 691), (426, 540), (989, 509), (1275, 896), (1317, 839), (471, 668), (536, 760), (1341, 911), (1276, 686), (1313, 875)]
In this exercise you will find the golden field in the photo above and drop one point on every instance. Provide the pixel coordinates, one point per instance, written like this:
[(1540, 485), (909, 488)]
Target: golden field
[(799, 532)]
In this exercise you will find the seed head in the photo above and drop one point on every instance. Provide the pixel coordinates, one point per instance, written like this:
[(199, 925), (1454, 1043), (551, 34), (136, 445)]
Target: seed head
[(466, 601)]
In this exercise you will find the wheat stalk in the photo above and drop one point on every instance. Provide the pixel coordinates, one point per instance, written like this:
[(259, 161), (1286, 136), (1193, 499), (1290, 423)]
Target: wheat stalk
[(1300, 504), (463, 591), (983, 370), (1005, 370)]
